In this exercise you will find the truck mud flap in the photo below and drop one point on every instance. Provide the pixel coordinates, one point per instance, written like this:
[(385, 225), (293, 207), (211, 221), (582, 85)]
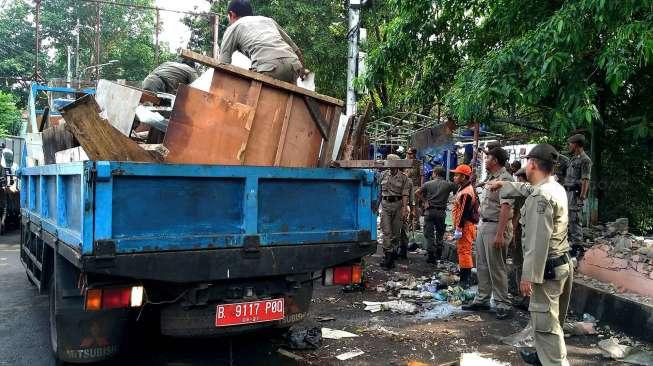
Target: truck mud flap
[(78, 336)]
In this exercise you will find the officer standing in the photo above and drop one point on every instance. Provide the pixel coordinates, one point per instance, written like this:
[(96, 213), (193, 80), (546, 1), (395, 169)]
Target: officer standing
[(395, 189), (547, 274), (516, 252), (494, 235), (416, 176), (577, 182), (435, 195)]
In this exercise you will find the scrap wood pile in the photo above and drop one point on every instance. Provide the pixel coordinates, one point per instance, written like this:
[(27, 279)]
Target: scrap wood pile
[(235, 117)]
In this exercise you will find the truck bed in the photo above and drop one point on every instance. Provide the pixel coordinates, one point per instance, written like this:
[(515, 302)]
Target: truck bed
[(221, 222)]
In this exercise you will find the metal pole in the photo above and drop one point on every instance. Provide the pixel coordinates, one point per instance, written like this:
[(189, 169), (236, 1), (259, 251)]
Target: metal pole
[(68, 67), (156, 36), (37, 45), (216, 33), (477, 133), (352, 54), (97, 41), (77, 51)]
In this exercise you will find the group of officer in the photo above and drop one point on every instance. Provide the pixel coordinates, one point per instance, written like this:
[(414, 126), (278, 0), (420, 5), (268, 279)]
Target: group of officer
[(536, 217)]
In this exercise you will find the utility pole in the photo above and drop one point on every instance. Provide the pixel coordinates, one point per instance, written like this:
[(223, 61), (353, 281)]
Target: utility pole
[(77, 49), (37, 46), (216, 32), (97, 41), (156, 37), (353, 35)]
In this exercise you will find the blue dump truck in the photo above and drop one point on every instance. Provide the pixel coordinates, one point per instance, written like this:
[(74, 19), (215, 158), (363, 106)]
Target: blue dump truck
[(209, 250)]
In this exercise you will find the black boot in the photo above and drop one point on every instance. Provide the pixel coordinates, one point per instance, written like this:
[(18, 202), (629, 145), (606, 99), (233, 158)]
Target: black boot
[(388, 260), (431, 258), (530, 357), (438, 250), (465, 277), (402, 252)]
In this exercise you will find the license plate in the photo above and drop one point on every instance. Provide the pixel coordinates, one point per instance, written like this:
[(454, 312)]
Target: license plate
[(249, 312)]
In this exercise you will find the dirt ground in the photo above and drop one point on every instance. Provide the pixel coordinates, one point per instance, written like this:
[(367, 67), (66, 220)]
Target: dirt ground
[(398, 339)]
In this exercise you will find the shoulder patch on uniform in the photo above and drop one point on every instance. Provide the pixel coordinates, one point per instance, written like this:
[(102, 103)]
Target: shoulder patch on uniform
[(541, 207)]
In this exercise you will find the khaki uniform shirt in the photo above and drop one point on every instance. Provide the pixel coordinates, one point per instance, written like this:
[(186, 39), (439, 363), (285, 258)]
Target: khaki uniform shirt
[(394, 185), (259, 38), (544, 220), (491, 202), (579, 168), (415, 175)]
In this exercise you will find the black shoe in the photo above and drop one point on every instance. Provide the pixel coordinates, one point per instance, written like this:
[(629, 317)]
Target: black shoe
[(504, 313), (402, 252), (388, 260), (476, 307), (530, 357), (431, 259)]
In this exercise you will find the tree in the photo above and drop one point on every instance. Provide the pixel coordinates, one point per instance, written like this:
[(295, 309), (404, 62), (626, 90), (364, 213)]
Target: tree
[(10, 121), (317, 27)]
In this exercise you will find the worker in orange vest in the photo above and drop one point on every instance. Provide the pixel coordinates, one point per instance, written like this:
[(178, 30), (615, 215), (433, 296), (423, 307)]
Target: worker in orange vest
[(465, 215)]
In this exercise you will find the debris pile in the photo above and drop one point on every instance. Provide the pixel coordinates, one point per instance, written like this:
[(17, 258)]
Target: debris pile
[(620, 258)]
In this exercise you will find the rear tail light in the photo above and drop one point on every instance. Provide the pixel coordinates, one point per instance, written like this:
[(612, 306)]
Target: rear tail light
[(343, 275), (113, 298)]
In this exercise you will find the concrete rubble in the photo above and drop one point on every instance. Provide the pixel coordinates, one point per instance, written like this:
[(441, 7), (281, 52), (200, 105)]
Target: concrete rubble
[(619, 258)]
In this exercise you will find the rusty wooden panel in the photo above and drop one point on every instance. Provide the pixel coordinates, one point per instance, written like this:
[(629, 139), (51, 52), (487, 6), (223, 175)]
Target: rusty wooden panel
[(207, 129), (303, 139), (56, 138), (97, 136)]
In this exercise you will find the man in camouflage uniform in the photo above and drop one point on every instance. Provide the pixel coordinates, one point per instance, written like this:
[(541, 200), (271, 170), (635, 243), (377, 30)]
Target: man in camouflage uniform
[(577, 182), (167, 77), (395, 190), (547, 274)]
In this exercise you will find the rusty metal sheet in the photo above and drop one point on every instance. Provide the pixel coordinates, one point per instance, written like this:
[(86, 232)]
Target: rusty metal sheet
[(207, 129)]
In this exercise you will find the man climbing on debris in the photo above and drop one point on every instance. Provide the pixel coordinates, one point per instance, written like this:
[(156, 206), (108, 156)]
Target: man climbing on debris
[(465, 217), (494, 235), (261, 39), (395, 189), (547, 273), (577, 181), (167, 76), (435, 195)]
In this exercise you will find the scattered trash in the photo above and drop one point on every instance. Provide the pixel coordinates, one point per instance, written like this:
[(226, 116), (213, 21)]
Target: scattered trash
[(472, 318), (588, 318), (350, 354), (521, 339), (612, 349), (643, 358), (323, 319), (396, 306), (416, 363), (475, 359), (304, 338), (290, 355), (328, 333), (438, 311), (415, 294), (580, 328)]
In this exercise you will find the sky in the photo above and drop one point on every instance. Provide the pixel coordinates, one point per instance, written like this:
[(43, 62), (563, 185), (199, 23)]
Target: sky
[(172, 30)]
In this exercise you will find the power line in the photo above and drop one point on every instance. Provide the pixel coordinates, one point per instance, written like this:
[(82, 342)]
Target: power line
[(114, 3)]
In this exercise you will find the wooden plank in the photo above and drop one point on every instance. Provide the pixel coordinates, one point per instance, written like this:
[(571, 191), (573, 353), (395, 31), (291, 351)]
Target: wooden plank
[(343, 142), (97, 136), (284, 132), (352, 140), (209, 61), (55, 139), (328, 145), (373, 164), (206, 129), (314, 109), (44, 119)]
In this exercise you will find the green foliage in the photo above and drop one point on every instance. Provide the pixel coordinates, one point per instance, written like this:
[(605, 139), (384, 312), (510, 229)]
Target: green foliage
[(318, 27), (10, 121)]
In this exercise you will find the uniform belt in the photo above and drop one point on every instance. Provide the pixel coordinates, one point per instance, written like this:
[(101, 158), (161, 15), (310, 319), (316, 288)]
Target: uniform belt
[(486, 220), (552, 263), (391, 198)]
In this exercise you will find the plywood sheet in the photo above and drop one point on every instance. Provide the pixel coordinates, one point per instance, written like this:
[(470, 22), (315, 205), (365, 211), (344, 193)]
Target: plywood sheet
[(97, 136), (207, 129)]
